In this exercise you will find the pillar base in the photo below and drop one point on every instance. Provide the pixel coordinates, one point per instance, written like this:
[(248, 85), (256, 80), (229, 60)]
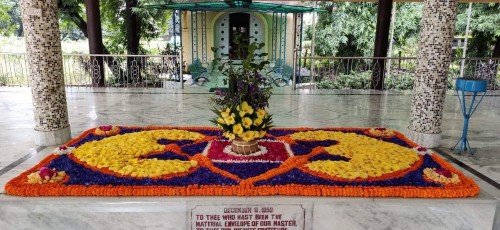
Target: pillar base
[(428, 140), (56, 137)]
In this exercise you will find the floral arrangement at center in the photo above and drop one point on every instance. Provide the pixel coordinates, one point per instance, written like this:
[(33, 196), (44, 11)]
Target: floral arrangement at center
[(242, 108), (193, 161)]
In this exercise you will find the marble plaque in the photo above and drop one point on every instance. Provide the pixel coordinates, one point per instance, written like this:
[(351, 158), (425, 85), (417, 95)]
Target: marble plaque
[(247, 217)]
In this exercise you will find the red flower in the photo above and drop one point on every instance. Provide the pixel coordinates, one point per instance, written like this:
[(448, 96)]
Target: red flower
[(44, 171), (106, 127), (63, 147), (420, 148), (443, 172), (380, 129)]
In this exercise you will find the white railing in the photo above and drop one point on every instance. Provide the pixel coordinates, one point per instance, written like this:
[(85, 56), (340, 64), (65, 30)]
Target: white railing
[(83, 70)]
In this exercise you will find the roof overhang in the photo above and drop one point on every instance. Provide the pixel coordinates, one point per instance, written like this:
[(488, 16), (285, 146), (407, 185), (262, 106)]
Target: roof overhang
[(461, 1), (230, 6)]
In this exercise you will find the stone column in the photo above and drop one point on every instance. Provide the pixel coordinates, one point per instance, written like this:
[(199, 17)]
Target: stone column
[(433, 62), (41, 32)]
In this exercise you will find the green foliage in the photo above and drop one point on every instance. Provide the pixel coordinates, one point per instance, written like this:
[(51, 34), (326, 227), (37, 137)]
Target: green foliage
[(397, 80), (152, 24), (348, 29), (69, 31), (7, 24), (407, 28), (71, 12), (69, 9), (484, 26), (245, 82), (355, 80)]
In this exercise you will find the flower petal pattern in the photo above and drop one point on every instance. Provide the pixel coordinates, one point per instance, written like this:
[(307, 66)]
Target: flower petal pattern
[(173, 161)]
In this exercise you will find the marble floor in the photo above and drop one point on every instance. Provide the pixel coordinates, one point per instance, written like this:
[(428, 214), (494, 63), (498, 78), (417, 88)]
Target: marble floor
[(303, 108)]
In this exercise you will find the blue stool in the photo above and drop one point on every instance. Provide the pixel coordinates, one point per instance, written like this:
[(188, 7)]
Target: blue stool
[(474, 86)]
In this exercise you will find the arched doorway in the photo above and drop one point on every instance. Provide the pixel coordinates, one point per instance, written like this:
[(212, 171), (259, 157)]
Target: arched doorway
[(229, 25)]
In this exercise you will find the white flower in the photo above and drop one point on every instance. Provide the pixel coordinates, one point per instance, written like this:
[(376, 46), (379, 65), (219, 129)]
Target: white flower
[(420, 150), (64, 150)]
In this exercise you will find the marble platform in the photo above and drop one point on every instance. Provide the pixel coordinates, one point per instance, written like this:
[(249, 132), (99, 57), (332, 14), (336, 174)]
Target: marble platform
[(306, 108), (170, 213)]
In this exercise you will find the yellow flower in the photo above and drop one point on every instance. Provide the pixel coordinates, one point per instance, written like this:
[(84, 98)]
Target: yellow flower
[(247, 122), (261, 113), (257, 121), (230, 119), (121, 153), (369, 157), (242, 113), (247, 136), (221, 120), (237, 129), (230, 135), (262, 134), (224, 114), (244, 107)]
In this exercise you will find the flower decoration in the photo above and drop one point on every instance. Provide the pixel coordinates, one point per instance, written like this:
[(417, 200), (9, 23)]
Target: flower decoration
[(368, 157), (441, 175), (269, 151), (381, 132), (107, 130), (46, 175), (420, 150), (120, 154), (229, 151), (61, 150), (195, 161), (241, 110)]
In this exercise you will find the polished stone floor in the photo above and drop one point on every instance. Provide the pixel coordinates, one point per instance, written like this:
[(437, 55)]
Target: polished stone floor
[(303, 108)]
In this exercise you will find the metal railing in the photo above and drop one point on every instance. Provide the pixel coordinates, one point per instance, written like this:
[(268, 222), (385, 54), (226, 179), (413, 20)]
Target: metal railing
[(357, 72), (14, 69), (83, 70)]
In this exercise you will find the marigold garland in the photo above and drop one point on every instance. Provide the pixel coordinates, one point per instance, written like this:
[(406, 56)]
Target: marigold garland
[(158, 161)]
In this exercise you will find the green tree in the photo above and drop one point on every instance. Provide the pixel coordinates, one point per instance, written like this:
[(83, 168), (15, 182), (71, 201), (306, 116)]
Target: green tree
[(125, 24), (7, 25), (346, 29), (407, 28), (484, 27)]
